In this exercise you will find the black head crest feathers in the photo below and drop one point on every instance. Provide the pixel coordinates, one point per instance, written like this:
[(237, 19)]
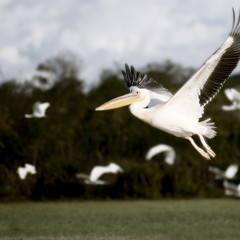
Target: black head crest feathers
[(134, 78)]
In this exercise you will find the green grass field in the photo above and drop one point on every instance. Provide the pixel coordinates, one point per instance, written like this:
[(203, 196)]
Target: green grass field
[(118, 220)]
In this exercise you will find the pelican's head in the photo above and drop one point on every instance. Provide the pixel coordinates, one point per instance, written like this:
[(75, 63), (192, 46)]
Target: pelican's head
[(136, 94), (140, 86)]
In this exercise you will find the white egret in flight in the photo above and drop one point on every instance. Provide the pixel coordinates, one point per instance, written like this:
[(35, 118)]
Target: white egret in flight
[(234, 96), (28, 168), (229, 173), (39, 110), (97, 172), (179, 114), (162, 148)]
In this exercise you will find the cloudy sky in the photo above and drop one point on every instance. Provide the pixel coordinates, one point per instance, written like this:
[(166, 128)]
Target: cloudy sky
[(105, 32)]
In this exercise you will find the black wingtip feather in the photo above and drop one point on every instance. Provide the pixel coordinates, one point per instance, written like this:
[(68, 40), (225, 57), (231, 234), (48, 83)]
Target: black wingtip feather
[(233, 23), (225, 66), (235, 26)]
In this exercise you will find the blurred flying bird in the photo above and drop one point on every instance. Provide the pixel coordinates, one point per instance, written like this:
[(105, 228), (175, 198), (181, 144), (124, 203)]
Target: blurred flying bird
[(229, 173), (97, 172), (162, 148), (234, 96), (179, 114), (23, 171), (231, 189), (39, 110)]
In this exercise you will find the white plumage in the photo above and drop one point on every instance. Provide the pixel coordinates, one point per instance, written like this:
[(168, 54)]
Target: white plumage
[(97, 172), (162, 148), (234, 96), (180, 114), (39, 110), (229, 173), (27, 169), (231, 189)]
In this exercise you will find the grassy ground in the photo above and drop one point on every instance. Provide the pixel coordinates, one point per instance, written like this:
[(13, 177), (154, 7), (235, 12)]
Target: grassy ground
[(118, 220)]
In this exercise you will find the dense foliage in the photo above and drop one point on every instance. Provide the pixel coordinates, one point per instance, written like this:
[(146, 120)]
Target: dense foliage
[(74, 138)]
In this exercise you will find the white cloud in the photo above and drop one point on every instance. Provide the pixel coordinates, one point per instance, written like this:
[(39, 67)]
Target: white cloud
[(10, 55), (3, 3), (104, 31)]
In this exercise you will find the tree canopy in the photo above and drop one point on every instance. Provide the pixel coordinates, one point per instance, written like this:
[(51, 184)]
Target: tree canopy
[(73, 138)]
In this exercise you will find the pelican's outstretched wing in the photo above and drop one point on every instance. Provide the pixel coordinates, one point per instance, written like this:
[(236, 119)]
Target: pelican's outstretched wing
[(231, 189), (231, 171), (229, 93), (82, 175), (215, 170), (98, 171), (43, 107), (231, 186), (30, 168), (36, 107), (207, 81), (168, 150)]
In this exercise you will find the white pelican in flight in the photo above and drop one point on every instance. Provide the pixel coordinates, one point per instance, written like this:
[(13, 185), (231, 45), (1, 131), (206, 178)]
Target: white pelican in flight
[(231, 189), (234, 96), (97, 172), (23, 171), (39, 110), (229, 173), (179, 114), (162, 148)]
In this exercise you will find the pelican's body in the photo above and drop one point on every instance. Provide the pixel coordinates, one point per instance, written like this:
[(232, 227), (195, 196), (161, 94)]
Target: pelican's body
[(162, 148), (39, 110), (98, 171), (180, 114), (185, 127)]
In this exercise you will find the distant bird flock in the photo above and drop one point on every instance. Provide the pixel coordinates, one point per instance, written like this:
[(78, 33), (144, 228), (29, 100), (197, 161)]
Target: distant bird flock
[(177, 114), (228, 177)]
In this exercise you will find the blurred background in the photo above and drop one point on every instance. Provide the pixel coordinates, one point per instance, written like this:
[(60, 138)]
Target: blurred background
[(70, 54)]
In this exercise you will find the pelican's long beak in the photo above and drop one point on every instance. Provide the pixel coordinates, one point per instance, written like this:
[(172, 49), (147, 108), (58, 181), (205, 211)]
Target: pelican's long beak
[(120, 102)]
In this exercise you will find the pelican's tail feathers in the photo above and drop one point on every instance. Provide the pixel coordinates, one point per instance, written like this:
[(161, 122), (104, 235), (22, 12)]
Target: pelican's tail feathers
[(208, 131)]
